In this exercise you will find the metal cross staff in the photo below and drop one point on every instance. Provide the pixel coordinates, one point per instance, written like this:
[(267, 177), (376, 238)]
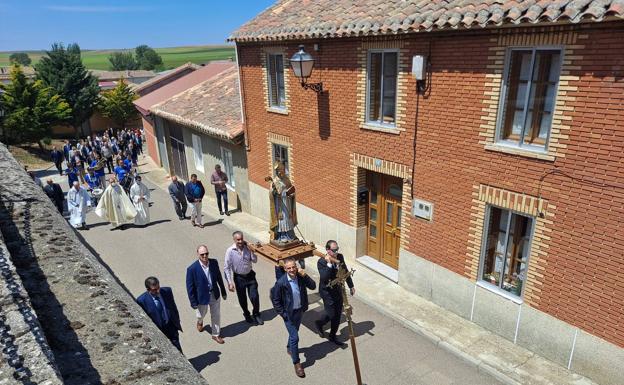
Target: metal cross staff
[(341, 278)]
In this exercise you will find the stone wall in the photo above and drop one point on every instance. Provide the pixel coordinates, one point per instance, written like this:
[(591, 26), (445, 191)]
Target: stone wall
[(95, 332)]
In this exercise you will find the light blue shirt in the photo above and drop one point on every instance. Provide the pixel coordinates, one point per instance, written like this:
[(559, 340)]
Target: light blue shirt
[(294, 287)]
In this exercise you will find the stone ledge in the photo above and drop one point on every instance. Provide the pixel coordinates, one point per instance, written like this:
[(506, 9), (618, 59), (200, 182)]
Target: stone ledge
[(96, 331), (26, 354)]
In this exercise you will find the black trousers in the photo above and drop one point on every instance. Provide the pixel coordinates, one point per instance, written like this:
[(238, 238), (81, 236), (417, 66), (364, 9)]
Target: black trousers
[(109, 164), (172, 334), (247, 285), (59, 206), (333, 312), (180, 207), (222, 195), (59, 166)]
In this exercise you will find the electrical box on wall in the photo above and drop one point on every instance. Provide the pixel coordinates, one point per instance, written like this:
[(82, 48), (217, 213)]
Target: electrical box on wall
[(422, 209), (418, 67)]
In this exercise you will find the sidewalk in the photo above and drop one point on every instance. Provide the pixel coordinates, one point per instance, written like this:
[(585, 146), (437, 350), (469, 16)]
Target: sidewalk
[(487, 351)]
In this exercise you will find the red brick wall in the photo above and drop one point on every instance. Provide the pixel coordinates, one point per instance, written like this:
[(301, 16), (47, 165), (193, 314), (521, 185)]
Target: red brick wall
[(150, 138), (583, 273)]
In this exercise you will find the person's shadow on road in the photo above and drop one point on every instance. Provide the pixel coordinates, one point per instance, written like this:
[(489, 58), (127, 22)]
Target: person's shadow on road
[(204, 360), (241, 327)]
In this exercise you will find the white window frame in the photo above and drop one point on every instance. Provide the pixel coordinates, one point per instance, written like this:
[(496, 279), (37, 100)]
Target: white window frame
[(282, 150), (228, 168), (368, 87), (270, 57), (198, 153), (486, 225), (503, 98)]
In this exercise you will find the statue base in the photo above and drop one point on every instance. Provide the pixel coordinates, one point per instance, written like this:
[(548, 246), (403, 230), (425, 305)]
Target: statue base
[(276, 251)]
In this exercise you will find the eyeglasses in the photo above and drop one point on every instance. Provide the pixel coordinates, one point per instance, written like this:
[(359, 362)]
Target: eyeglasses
[(203, 254)]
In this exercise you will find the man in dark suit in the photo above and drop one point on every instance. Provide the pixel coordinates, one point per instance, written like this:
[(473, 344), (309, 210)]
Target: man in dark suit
[(328, 266), (55, 193), (57, 157), (290, 301), (176, 191), (160, 306), (204, 286)]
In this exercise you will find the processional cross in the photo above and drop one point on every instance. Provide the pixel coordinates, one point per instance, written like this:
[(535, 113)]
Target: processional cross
[(341, 278)]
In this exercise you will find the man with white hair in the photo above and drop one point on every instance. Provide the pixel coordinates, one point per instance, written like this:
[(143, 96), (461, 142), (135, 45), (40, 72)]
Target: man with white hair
[(77, 202)]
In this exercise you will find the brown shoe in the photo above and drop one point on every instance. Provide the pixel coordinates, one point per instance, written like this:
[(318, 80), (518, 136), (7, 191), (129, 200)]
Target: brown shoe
[(200, 327), (299, 370), (218, 340)]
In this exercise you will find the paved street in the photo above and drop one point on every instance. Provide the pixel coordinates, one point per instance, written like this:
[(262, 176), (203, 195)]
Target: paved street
[(389, 353)]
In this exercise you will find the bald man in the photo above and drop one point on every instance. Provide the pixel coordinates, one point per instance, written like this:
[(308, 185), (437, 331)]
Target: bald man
[(176, 191), (204, 286)]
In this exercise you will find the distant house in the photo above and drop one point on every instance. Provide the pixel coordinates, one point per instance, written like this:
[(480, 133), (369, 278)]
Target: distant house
[(197, 122), (161, 92), (163, 78), (109, 79), (5, 74)]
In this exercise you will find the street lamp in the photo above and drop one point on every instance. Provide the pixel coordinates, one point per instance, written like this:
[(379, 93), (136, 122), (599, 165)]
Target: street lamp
[(302, 64)]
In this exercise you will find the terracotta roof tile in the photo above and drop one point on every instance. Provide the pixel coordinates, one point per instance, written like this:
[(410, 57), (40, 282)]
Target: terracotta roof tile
[(211, 107), (299, 19)]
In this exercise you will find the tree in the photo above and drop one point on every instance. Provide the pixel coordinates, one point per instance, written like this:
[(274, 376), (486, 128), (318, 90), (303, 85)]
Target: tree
[(62, 69), (21, 58), (118, 105), (147, 58), (31, 109), (121, 61)]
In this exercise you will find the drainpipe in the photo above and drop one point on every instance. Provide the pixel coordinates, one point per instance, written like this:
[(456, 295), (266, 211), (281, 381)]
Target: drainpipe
[(241, 93)]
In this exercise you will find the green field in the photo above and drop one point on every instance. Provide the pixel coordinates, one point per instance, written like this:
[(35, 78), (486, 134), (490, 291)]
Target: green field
[(172, 57)]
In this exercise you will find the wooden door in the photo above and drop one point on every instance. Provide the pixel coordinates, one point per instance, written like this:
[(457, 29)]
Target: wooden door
[(384, 218)]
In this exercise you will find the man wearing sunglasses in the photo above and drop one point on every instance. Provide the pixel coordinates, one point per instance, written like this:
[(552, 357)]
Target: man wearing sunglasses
[(328, 266), (204, 286)]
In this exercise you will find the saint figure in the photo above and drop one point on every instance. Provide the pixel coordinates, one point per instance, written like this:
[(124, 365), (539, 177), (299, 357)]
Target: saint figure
[(283, 209)]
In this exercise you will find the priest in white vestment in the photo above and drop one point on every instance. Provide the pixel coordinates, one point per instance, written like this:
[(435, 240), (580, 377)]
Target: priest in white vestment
[(115, 206), (140, 195), (78, 200)]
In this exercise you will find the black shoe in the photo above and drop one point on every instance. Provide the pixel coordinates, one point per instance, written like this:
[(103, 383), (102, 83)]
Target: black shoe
[(249, 319), (258, 319), (220, 212), (181, 218), (227, 213), (319, 328), (335, 341)]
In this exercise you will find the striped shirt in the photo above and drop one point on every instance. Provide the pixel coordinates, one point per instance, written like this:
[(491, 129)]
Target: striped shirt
[(238, 262)]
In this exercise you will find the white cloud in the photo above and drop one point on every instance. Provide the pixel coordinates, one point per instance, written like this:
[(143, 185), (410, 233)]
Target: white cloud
[(95, 9)]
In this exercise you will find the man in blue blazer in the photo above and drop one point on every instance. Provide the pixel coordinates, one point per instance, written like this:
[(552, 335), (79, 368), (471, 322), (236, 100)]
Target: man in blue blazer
[(290, 301), (160, 306), (204, 286)]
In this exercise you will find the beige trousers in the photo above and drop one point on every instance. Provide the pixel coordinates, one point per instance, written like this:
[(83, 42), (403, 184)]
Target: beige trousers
[(215, 314), (196, 213)]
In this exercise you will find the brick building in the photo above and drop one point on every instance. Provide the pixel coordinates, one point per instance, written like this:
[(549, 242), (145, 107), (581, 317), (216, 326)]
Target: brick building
[(493, 187)]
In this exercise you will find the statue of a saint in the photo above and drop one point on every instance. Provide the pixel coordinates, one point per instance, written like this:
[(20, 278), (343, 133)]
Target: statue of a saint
[(283, 209)]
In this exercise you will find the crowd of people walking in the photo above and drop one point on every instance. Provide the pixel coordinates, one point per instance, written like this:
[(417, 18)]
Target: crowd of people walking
[(206, 287), (124, 199)]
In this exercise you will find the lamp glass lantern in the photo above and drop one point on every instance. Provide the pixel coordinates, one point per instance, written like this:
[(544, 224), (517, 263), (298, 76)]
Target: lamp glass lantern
[(302, 64)]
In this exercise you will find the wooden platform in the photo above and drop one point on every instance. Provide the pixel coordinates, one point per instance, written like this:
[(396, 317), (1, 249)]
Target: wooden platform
[(273, 253)]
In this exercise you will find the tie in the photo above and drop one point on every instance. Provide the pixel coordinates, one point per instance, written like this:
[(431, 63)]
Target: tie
[(162, 310)]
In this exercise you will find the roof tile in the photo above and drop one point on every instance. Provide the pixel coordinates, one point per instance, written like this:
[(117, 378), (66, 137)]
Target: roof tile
[(297, 19)]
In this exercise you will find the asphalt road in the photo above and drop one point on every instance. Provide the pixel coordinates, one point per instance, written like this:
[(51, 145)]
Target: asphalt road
[(389, 353)]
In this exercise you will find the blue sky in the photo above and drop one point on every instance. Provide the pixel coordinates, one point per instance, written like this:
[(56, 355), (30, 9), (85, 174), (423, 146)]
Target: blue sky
[(36, 24)]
